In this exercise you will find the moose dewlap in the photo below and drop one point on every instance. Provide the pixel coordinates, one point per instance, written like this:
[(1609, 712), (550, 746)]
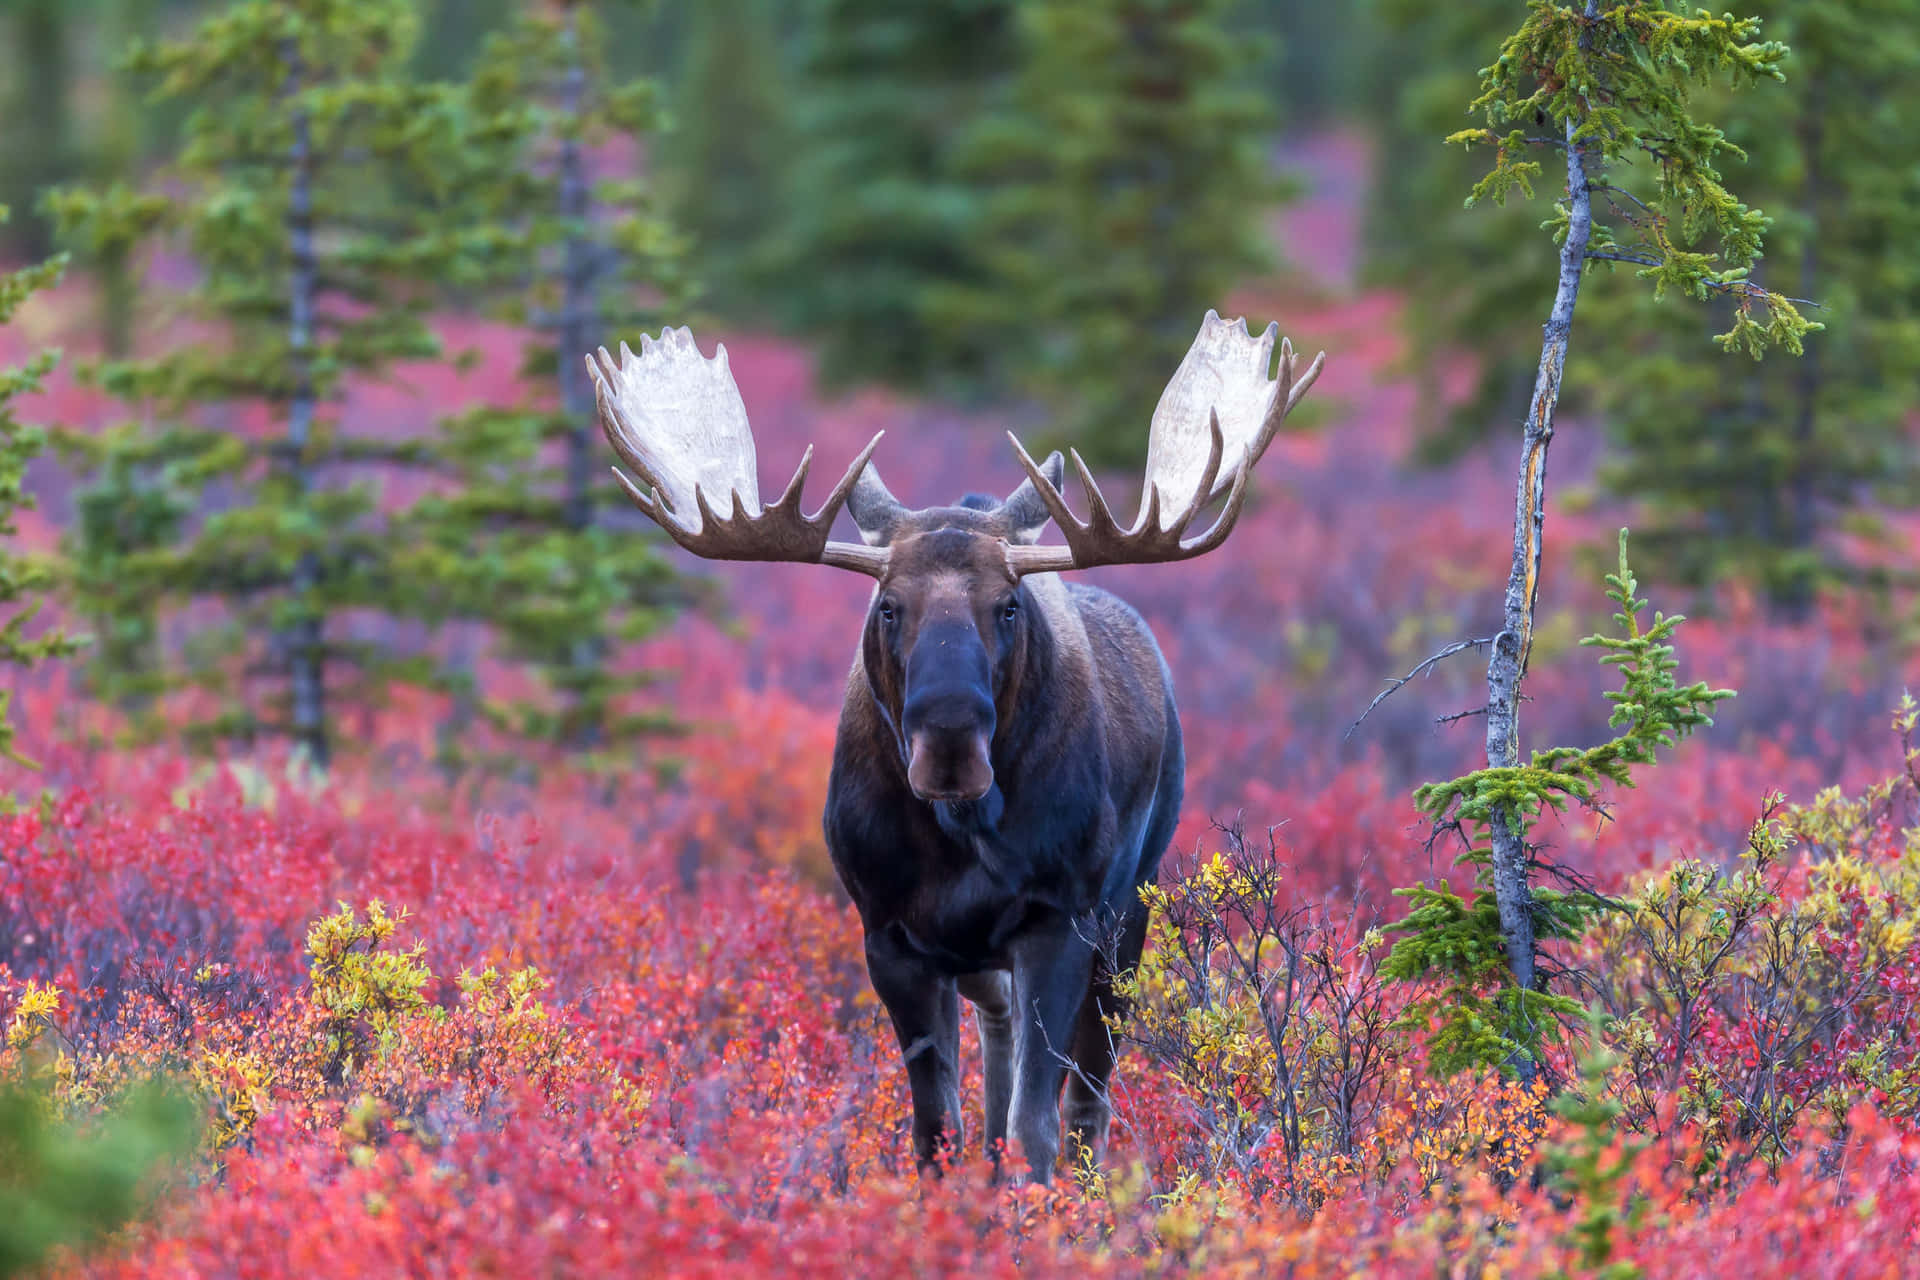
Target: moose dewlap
[(1008, 769)]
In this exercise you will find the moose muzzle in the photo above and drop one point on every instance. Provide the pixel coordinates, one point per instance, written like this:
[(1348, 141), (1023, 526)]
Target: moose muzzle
[(948, 719)]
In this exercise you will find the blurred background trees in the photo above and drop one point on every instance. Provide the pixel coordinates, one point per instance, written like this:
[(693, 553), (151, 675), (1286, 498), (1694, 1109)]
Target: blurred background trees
[(319, 194), (875, 215), (23, 579), (1757, 471), (1015, 205), (573, 258), (1120, 184), (1740, 471)]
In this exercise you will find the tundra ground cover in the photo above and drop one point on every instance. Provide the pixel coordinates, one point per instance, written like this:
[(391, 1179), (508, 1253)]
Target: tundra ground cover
[(616, 1022), (465, 1039)]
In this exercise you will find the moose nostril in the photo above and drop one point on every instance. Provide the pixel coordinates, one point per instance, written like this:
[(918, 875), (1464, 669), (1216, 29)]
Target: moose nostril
[(950, 767)]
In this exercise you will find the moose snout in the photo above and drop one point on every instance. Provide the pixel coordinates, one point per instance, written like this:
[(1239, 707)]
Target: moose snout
[(948, 747)]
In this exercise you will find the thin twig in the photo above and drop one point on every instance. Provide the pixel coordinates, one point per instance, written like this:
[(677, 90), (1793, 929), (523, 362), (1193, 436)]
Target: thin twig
[(1746, 288), (1613, 190), (1394, 686)]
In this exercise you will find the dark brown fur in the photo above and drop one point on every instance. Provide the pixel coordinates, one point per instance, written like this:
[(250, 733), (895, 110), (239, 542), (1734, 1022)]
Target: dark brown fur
[(1024, 897)]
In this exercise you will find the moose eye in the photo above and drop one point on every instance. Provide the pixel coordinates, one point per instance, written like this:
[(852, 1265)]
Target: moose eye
[(886, 611), (1011, 609)]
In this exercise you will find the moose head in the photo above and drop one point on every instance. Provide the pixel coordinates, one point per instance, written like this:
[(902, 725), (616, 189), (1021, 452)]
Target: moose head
[(944, 628)]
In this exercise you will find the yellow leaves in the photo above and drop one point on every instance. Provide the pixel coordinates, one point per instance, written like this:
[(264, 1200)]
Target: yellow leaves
[(237, 1086), (496, 994), (1906, 713), (33, 1016), (629, 1098), (1187, 1211), (363, 990), (353, 978)]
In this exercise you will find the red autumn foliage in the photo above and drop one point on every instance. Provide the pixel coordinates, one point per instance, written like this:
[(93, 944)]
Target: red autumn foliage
[(676, 1067), (700, 1083)]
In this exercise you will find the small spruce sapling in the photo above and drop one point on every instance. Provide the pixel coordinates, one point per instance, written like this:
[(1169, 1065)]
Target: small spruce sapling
[(1483, 1018), (1590, 1164)]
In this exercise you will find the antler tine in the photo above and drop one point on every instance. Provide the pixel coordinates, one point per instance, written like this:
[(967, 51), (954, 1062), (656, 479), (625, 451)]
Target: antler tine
[(1056, 502), (790, 496), (737, 518), (1150, 512), (1306, 380), (1100, 521), (837, 498)]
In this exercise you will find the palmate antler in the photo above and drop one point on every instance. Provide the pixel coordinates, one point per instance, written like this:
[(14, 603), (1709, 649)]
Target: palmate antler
[(677, 419), (1213, 423)]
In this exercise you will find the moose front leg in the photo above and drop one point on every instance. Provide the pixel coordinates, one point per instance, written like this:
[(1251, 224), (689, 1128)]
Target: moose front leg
[(992, 995), (925, 1010), (1050, 976)]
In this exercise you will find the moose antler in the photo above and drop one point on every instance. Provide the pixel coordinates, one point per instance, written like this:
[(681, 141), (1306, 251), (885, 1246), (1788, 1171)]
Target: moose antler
[(677, 419), (1219, 411)]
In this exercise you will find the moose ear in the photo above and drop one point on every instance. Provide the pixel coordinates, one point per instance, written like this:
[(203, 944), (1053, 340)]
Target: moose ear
[(875, 511), (1026, 515)]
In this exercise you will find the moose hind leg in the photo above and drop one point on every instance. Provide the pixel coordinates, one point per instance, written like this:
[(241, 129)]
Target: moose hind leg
[(1089, 1105), (925, 1010), (992, 995)]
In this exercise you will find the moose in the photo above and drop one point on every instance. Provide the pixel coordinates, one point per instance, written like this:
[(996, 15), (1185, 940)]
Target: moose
[(1009, 767)]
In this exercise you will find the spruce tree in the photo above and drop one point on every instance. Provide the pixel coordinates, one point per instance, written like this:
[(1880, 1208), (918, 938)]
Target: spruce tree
[(312, 187), (875, 219), (23, 580), (1752, 470), (1607, 93), (728, 152), (1129, 180), (526, 543), (109, 158), (36, 147)]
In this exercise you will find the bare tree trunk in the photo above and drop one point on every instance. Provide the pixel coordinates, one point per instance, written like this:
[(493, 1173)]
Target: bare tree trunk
[(305, 655), (1514, 644), (577, 336)]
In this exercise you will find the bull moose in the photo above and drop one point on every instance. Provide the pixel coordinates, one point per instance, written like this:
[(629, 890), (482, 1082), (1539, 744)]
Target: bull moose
[(1009, 767)]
